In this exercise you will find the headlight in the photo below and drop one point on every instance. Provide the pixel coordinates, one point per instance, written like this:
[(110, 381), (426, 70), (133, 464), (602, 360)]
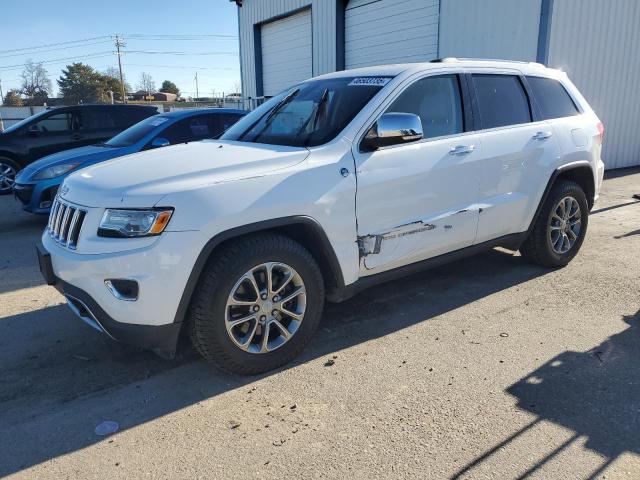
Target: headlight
[(134, 223), (55, 171)]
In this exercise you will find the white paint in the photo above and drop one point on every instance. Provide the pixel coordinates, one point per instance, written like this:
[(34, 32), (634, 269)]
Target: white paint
[(215, 186), (286, 52)]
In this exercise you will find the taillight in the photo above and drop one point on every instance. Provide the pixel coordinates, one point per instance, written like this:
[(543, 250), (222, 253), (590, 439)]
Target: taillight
[(601, 131)]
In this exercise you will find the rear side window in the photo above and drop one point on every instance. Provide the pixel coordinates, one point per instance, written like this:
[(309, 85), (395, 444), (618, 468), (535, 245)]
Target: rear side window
[(552, 98), (97, 119), (437, 101), (502, 100)]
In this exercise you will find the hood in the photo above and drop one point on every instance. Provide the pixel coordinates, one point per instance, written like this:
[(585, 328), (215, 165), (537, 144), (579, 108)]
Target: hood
[(142, 179), (90, 154)]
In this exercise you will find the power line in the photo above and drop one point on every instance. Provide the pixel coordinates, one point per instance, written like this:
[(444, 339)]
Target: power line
[(182, 67), (35, 47), (148, 52), (56, 49), (176, 36), (60, 60)]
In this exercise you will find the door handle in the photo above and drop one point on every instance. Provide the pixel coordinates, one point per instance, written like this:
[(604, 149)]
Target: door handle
[(461, 149), (76, 136), (541, 135)]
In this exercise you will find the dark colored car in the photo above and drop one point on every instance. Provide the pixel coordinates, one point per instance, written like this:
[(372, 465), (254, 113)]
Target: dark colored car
[(61, 128), (37, 184)]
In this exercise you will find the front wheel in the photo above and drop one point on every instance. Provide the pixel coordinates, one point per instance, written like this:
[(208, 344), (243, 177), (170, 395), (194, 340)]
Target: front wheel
[(257, 305), (8, 171), (560, 228)]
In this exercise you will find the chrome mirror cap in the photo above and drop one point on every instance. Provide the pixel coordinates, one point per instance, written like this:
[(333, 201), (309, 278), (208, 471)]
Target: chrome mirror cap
[(393, 129)]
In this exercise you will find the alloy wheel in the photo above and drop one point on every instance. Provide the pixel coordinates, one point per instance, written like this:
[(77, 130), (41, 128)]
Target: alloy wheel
[(265, 307), (7, 177), (565, 225)]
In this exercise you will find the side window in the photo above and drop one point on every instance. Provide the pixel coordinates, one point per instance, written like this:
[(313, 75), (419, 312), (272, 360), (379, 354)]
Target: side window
[(98, 119), (552, 98), (223, 121), (437, 101), (61, 122), (502, 100)]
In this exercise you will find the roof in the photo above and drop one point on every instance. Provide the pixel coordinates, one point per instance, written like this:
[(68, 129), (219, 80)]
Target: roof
[(396, 69)]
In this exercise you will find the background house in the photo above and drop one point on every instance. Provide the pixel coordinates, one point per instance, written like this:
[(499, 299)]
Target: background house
[(594, 41)]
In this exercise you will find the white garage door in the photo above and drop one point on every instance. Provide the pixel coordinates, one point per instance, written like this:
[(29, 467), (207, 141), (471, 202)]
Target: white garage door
[(390, 31), (286, 52)]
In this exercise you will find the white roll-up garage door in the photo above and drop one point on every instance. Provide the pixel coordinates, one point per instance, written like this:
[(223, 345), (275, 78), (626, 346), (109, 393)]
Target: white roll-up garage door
[(287, 56), (379, 32)]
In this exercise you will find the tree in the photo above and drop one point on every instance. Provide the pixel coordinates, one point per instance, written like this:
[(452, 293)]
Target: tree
[(13, 99), (169, 87), (146, 83), (80, 83), (113, 72), (35, 80)]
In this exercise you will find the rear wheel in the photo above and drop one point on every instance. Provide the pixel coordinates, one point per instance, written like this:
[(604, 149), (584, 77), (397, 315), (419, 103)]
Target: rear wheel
[(258, 304), (8, 171), (560, 228)]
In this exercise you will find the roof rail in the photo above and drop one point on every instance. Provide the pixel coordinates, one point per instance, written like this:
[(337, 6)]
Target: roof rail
[(499, 60)]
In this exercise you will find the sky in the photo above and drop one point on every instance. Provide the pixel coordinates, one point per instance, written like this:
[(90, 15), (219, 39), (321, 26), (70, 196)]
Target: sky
[(202, 34)]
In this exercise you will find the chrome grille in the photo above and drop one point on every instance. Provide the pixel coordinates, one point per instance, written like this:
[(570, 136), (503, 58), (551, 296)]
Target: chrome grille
[(65, 223)]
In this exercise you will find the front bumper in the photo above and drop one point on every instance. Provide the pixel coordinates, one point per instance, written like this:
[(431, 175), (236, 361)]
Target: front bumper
[(161, 270), (36, 197)]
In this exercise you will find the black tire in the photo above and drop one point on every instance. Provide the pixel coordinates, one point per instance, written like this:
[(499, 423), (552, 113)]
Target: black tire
[(207, 312), (7, 162), (538, 248)]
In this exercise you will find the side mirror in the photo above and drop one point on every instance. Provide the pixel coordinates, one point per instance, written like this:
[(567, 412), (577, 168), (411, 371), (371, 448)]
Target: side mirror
[(393, 129), (33, 130), (159, 142)]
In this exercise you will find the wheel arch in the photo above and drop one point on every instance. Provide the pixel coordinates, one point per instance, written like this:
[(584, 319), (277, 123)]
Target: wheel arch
[(580, 172), (303, 229)]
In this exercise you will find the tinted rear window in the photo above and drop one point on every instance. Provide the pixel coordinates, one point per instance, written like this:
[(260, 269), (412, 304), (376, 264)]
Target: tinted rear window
[(552, 98), (502, 100)]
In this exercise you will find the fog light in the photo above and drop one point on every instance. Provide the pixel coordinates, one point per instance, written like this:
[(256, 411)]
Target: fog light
[(123, 289)]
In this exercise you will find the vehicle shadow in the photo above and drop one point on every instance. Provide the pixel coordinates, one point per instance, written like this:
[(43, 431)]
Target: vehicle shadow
[(594, 394), (59, 379)]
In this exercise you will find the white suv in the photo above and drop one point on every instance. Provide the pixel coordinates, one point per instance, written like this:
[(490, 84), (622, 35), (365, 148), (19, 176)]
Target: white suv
[(340, 182)]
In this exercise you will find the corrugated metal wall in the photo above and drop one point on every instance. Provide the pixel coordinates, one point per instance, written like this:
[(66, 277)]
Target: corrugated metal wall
[(505, 29), (390, 31), (323, 14), (596, 42)]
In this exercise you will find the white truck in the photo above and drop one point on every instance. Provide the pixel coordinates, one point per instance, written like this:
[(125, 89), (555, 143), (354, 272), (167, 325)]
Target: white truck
[(340, 182)]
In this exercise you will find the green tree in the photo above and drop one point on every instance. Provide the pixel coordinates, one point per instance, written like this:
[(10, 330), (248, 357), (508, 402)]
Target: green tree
[(80, 83), (13, 99), (169, 87)]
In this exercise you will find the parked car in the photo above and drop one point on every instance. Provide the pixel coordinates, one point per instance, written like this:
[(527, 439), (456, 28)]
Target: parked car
[(36, 185), (61, 128), (341, 182)]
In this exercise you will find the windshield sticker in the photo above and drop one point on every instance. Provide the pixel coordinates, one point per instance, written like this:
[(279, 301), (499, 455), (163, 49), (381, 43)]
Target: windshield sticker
[(369, 81), (158, 121)]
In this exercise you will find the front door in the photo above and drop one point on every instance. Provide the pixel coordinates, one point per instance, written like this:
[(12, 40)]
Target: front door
[(419, 200)]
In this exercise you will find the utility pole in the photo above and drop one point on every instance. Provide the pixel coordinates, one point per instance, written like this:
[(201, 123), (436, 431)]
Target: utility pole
[(1, 95), (120, 43), (197, 91)]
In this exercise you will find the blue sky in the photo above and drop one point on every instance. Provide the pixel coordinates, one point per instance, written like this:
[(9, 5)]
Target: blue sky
[(47, 22)]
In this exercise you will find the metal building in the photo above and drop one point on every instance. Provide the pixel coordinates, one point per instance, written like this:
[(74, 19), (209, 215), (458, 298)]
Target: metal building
[(596, 42)]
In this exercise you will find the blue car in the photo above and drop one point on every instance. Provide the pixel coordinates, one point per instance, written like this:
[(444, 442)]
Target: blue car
[(36, 185)]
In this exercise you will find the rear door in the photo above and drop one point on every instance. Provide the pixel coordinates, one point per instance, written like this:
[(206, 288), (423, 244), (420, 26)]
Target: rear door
[(96, 125), (418, 200), (518, 152)]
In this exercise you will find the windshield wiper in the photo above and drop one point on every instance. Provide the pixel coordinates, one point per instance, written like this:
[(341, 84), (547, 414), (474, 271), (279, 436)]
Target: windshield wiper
[(281, 104)]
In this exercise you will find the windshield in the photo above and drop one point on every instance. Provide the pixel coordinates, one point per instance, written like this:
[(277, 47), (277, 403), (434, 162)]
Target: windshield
[(24, 121), (309, 114), (136, 132)]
